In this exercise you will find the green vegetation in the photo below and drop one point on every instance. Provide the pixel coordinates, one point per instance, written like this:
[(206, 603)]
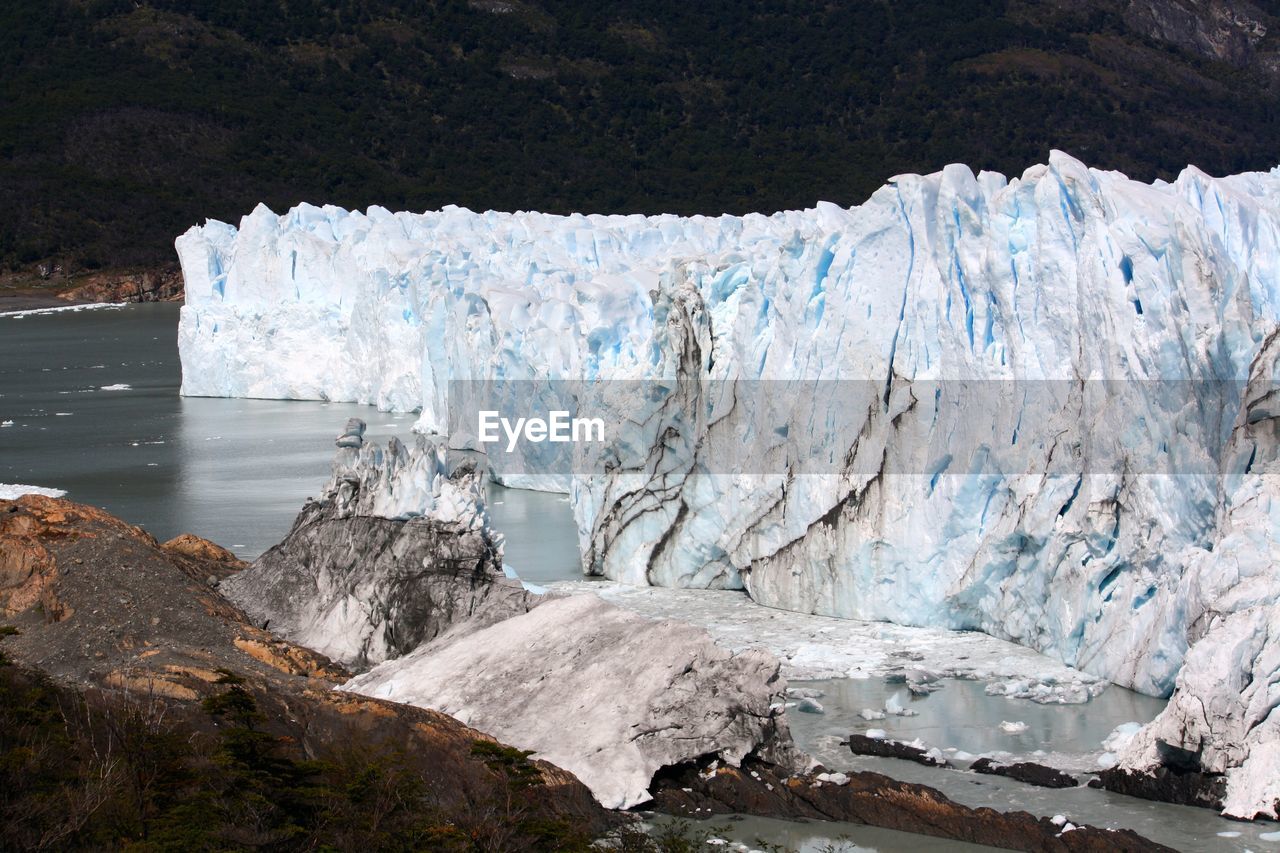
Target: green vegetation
[(99, 772), (104, 771), (122, 122)]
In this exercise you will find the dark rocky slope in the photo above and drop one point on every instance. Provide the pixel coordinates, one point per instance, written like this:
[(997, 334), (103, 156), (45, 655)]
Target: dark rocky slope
[(105, 611), (125, 122)]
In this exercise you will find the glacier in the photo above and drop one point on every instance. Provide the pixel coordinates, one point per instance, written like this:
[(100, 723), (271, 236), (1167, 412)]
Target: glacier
[(1013, 406)]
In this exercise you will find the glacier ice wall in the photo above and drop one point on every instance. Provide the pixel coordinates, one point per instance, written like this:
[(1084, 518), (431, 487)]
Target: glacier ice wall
[(1138, 308)]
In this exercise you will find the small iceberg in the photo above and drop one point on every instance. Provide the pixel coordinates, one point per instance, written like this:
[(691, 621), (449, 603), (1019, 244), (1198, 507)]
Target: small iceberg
[(13, 491)]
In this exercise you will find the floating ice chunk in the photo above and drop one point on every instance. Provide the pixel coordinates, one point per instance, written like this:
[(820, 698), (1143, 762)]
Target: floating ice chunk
[(36, 312), (804, 693), (119, 386), (1058, 820), (1229, 834), (893, 705), (810, 706), (1269, 836), (6, 423), (1015, 728), (871, 714), (1121, 736), (13, 491), (877, 734)]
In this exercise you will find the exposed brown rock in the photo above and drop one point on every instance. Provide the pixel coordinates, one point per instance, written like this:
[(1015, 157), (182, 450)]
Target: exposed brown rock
[(884, 748), (152, 285), (190, 545), (290, 659), (151, 684), (142, 620), (698, 790), (1027, 772), (1167, 785)]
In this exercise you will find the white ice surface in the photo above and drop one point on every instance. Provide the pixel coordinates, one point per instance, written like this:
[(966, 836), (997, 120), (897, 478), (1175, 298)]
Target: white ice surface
[(12, 491), (813, 647), (595, 689), (60, 309)]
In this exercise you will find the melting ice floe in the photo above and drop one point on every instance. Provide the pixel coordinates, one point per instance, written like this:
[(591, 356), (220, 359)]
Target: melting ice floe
[(12, 491), (1111, 325), (60, 309)]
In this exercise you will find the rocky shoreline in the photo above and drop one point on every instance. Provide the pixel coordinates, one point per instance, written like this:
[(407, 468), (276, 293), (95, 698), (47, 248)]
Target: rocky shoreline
[(109, 616), (28, 292)]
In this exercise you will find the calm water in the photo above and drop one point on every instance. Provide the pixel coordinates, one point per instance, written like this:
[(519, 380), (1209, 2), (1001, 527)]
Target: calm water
[(963, 716), (234, 471), (237, 471)]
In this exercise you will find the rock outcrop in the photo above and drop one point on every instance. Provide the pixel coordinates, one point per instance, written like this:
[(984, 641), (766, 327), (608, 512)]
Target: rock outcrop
[(151, 285), (97, 605), (1027, 772), (395, 551), (190, 545), (705, 789), (882, 747)]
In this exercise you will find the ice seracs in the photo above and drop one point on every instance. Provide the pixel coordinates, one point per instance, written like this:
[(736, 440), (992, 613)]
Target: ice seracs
[(971, 402)]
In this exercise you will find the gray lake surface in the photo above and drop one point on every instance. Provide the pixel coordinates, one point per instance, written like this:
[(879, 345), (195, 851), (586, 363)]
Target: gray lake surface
[(237, 471), (230, 470), (963, 716)]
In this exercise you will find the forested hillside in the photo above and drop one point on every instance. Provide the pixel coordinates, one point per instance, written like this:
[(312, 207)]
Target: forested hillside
[(123, 122)]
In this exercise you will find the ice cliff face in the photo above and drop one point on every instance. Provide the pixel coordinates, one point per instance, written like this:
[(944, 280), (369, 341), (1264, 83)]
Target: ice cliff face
[(969, 402), (1224, 715)]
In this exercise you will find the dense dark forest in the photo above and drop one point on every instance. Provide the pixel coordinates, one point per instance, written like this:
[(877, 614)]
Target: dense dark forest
[(123, 122)]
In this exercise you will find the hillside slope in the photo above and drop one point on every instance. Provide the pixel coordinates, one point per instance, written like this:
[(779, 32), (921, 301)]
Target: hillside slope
[(122, 122)]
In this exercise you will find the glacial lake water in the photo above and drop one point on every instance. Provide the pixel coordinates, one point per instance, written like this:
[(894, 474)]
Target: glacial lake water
[(237, 471), (233, 471)]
